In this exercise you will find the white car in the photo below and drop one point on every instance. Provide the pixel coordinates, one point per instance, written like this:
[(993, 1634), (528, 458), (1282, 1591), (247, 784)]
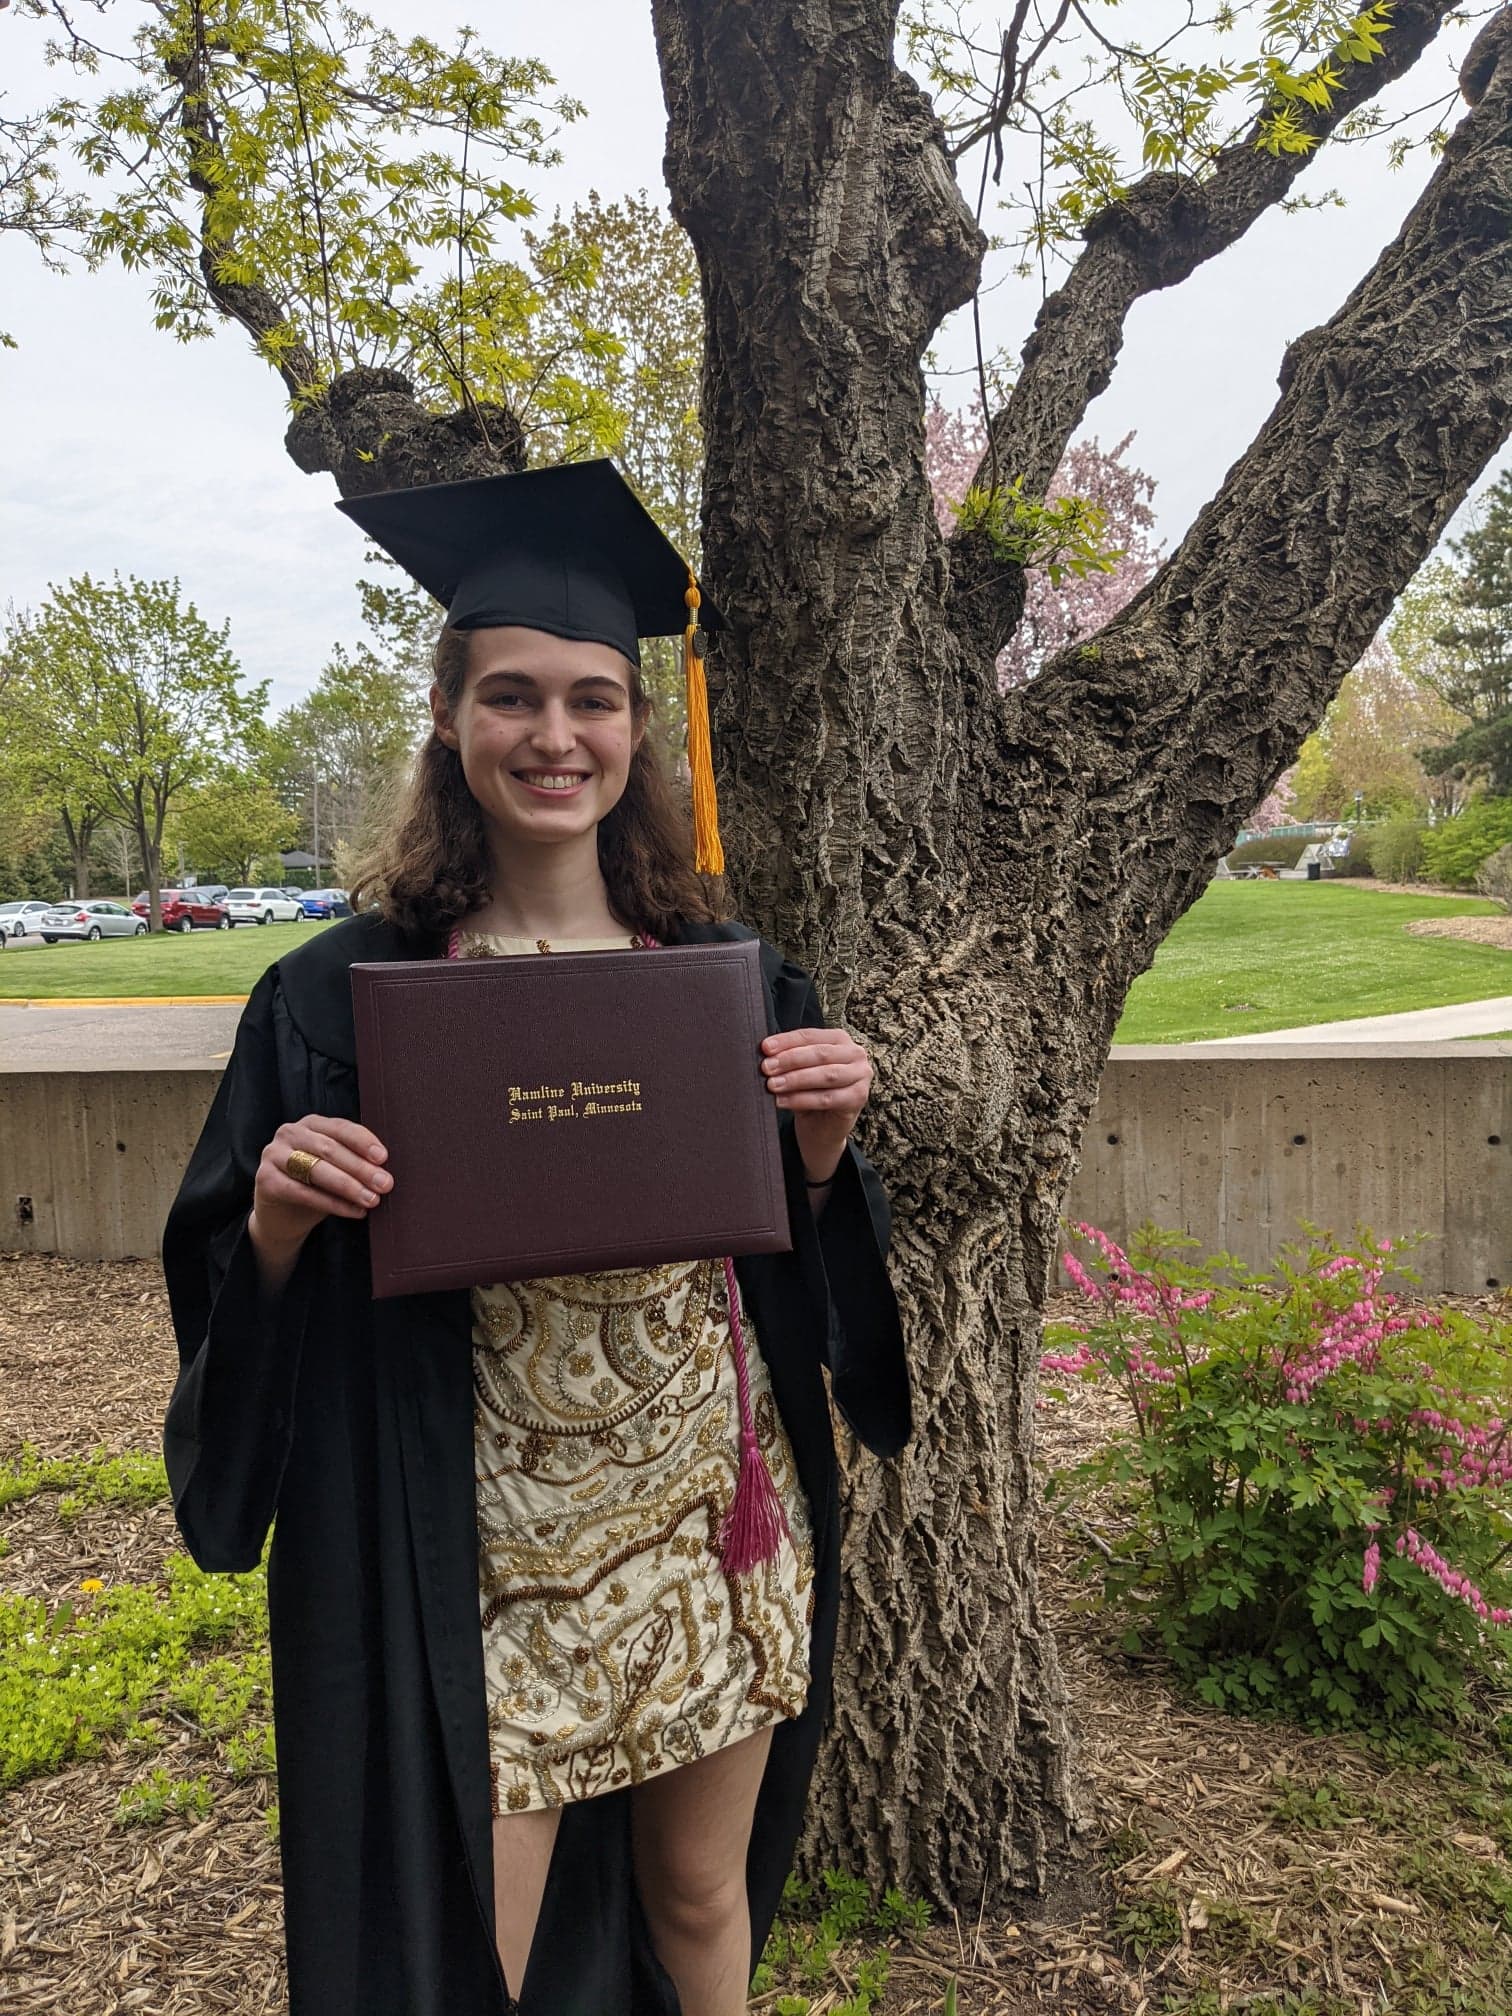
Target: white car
[(261, 906), (16, 919)]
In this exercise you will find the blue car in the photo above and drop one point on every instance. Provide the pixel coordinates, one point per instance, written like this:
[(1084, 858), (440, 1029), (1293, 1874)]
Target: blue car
[(325, 903)]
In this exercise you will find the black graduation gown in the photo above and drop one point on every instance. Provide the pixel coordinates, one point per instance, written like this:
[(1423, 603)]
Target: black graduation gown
[(352, 1420)]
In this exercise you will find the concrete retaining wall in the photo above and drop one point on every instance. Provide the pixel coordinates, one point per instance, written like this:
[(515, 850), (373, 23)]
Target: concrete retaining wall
[(1234, 1146)]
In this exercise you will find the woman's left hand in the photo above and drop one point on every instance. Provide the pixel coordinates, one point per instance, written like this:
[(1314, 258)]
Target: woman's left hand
[(823, 1078)]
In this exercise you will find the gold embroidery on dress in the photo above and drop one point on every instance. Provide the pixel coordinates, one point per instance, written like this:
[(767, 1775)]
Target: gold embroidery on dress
[(606, 1442)]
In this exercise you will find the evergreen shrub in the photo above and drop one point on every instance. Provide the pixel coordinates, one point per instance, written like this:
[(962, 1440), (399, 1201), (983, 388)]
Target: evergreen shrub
[(1315, 1475), (1456, 848)]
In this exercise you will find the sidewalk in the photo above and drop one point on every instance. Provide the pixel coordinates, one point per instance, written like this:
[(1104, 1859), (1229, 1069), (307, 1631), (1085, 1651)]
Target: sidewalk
[(104, 1036), (1414, 1025)]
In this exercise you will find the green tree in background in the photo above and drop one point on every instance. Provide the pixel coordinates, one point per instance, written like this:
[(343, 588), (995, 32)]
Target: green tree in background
[(628, 274), (41, 785), (1473, 636), (335, 753), (124, 690), (1366, 742), (624, 273), (226, 824)]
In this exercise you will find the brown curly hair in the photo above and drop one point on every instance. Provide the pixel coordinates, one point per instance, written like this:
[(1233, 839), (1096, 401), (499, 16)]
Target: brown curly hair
[(429, 867)]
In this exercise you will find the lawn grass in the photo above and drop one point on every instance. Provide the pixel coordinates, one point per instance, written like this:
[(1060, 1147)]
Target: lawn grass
[(1292, 952), (1250, 956), (169, 962)]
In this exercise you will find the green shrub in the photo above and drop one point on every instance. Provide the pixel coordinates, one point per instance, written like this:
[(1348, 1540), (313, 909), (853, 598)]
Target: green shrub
[(250, 1753), (1456, 848), (1316, 1476), (96, 1479), (1360, 860), (809, 1932), (149, 1802), (68, 1678), (1396, 847), (1285, 851)]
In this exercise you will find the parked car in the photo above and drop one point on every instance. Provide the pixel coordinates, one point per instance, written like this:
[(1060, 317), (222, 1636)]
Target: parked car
[(326, 903), (16, 919), (184, 910), (261, 906), (89, 920), (207, 892), (289, 889)]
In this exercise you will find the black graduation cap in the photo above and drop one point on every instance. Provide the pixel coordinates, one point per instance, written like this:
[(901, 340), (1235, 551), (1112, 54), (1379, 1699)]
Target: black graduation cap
[(570, 550)]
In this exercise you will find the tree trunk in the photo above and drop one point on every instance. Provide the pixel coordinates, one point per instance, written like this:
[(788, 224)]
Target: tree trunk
[(79, 836), (832, 240), (978, 880), (152, 869)]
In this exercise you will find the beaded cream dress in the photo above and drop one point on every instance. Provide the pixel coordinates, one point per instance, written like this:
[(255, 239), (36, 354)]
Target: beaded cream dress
[(606, 1442)]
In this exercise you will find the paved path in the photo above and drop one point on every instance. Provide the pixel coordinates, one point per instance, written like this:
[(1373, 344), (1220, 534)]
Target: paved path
[(114, 1038), (1466, 1018), (109, 1038)]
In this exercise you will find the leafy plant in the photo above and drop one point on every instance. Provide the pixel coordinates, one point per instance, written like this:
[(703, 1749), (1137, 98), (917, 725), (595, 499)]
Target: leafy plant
[(1316, 1475), (252, 1754), (811, 1931), (133, 1478), (1148, 1921), (69, 1678), (1063, 536), (1397, 847), (150, 1801)]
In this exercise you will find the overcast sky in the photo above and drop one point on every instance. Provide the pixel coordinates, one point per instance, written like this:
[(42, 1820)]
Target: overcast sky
[(124, 450)]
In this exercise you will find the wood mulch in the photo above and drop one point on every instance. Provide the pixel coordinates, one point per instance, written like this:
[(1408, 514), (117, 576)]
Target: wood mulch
[(1185, 1812), (1474, 930), (1399, 888)]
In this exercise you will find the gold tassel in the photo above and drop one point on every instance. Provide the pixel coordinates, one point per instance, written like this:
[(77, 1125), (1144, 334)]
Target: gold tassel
[(708, 854)]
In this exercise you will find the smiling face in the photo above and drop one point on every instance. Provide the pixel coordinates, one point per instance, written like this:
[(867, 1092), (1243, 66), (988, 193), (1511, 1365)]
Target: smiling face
[(545, 727)]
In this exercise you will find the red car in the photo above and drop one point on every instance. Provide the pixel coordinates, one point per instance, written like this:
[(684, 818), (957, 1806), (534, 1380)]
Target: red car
[(182, 911)]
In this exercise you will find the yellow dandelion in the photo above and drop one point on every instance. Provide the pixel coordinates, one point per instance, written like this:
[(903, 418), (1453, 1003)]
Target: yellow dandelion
[(91, 1585)]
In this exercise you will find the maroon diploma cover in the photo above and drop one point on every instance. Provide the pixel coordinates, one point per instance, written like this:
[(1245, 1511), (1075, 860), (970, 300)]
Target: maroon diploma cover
[(567, 1113)]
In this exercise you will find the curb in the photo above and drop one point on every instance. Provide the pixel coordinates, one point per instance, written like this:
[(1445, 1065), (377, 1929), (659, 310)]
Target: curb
[(129, 1001)]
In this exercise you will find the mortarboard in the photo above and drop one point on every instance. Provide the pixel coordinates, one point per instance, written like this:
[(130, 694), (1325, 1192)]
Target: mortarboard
[(570, 550)]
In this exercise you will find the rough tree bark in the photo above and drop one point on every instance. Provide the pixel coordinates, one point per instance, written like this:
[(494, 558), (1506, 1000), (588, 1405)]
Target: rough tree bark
[(978, 879), (79, 833)]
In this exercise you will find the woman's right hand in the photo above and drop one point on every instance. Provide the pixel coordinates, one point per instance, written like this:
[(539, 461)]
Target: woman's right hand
[(346, 1182)]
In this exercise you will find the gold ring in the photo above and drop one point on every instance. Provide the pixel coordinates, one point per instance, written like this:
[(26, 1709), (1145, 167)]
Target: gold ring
[(301, 1165)]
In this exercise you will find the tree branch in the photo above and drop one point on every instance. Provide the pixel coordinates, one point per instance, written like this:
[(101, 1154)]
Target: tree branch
[(1184, 709), (366, 428), (1156, 237)]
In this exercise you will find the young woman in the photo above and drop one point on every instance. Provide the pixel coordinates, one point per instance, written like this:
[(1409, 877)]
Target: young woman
[(539, 1730)]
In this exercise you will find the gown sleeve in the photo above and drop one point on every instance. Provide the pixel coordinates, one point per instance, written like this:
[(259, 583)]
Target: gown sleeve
[(229, 1427), (843, 1254)]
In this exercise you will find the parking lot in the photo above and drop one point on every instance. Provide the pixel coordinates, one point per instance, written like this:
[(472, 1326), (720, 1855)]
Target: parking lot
[(209, 966)]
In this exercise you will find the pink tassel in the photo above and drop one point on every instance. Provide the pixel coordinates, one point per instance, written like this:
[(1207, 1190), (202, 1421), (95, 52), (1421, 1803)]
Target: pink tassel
[(756, 1521)]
